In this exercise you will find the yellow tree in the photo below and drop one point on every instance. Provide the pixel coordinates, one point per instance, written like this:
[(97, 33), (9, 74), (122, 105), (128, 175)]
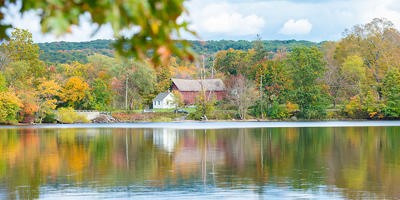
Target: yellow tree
[(163, 75), (48, 90), (78, 69), (74, 92), (20, 47), (10, 104)]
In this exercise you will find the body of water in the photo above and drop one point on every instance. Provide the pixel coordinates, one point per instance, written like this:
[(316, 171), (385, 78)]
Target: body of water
[(220, 160)]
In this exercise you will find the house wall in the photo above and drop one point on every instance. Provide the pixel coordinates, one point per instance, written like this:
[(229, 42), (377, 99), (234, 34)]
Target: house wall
[(189, 97), (167, 102)]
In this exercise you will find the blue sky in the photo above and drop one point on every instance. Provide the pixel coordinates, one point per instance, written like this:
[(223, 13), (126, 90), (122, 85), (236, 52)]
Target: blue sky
[(314, 20)]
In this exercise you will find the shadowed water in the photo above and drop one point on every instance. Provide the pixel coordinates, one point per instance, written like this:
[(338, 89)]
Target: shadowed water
[(128, 162)]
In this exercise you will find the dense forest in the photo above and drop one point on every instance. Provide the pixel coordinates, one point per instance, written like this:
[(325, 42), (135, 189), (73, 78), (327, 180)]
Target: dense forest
[(67, 52), (357, 77)]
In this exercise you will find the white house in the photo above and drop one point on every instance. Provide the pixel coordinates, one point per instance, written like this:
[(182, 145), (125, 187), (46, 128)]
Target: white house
[(164, 100)]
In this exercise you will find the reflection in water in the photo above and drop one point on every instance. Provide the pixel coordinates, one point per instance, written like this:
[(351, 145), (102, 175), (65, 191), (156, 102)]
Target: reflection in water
[(351, 162), (164, 138)]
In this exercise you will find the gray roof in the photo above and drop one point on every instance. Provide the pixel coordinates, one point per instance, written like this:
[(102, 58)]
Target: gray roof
[(161, 96), (196, 85)]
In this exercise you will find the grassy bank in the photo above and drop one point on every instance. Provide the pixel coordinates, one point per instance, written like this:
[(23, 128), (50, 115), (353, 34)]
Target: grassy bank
[(166, 115)]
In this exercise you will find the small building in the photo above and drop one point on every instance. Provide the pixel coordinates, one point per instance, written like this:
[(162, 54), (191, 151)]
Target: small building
[(191, 89), (164, 100)]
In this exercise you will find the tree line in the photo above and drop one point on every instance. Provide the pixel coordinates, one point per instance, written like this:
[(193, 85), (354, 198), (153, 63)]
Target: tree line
[(356, 77), (31, 90), (68, 52)]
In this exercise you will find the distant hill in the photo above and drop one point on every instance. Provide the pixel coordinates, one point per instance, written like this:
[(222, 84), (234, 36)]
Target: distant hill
[(66, 52), (212, 46)]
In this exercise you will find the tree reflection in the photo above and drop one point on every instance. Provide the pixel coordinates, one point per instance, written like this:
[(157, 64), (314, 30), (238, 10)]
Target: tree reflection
[(362, 162)]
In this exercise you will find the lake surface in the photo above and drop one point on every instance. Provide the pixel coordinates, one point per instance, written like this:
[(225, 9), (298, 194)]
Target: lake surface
[(224, 160)]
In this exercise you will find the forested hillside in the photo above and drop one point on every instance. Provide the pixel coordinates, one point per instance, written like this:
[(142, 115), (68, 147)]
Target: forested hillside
[(211, 47), (67, 52)]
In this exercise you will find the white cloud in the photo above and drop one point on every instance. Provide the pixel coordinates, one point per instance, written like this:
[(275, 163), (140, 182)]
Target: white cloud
[(233, 23), (224, 18), (388, 9), (31, 21), (243, 19), (296, 27)]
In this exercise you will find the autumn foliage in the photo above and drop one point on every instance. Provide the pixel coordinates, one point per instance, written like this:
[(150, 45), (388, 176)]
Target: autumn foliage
[(355, 77)]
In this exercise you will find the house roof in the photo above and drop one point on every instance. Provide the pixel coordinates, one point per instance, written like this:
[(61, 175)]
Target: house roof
[(196, 85), (161, 96)]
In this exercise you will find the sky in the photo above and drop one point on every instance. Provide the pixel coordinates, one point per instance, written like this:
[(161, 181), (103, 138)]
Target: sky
[(314, 20)]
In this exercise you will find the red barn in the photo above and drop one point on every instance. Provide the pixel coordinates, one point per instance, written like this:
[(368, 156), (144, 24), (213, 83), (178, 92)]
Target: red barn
[(190, 89)]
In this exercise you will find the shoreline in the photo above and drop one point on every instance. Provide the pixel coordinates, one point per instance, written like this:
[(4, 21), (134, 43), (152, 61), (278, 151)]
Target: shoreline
[(188, 124)]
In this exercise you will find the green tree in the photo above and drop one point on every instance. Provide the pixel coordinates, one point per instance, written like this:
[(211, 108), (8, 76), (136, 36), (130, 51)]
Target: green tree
[(157, 21), (273, 81), (204, 107), (232, 62), (141, 83), (136, 82), (391, 94), (377, 44), (260, 50), (101, 94), (20, 47), (307, 67), (17, 74)]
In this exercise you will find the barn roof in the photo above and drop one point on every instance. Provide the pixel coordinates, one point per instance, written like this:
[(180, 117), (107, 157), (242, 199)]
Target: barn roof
[(161, 96), (196, 85)]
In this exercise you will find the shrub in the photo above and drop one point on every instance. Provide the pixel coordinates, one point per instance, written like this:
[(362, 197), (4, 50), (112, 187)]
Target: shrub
[(203, 108), (155, 117), (353, 109), (277, 112), (392, 109), (333, 113), (68, 116), (291, 107), (50, 118), (224, 115), (259, 108)]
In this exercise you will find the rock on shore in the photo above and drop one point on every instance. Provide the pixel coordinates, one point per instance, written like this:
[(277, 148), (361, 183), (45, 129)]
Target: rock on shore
[(102, 118)]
